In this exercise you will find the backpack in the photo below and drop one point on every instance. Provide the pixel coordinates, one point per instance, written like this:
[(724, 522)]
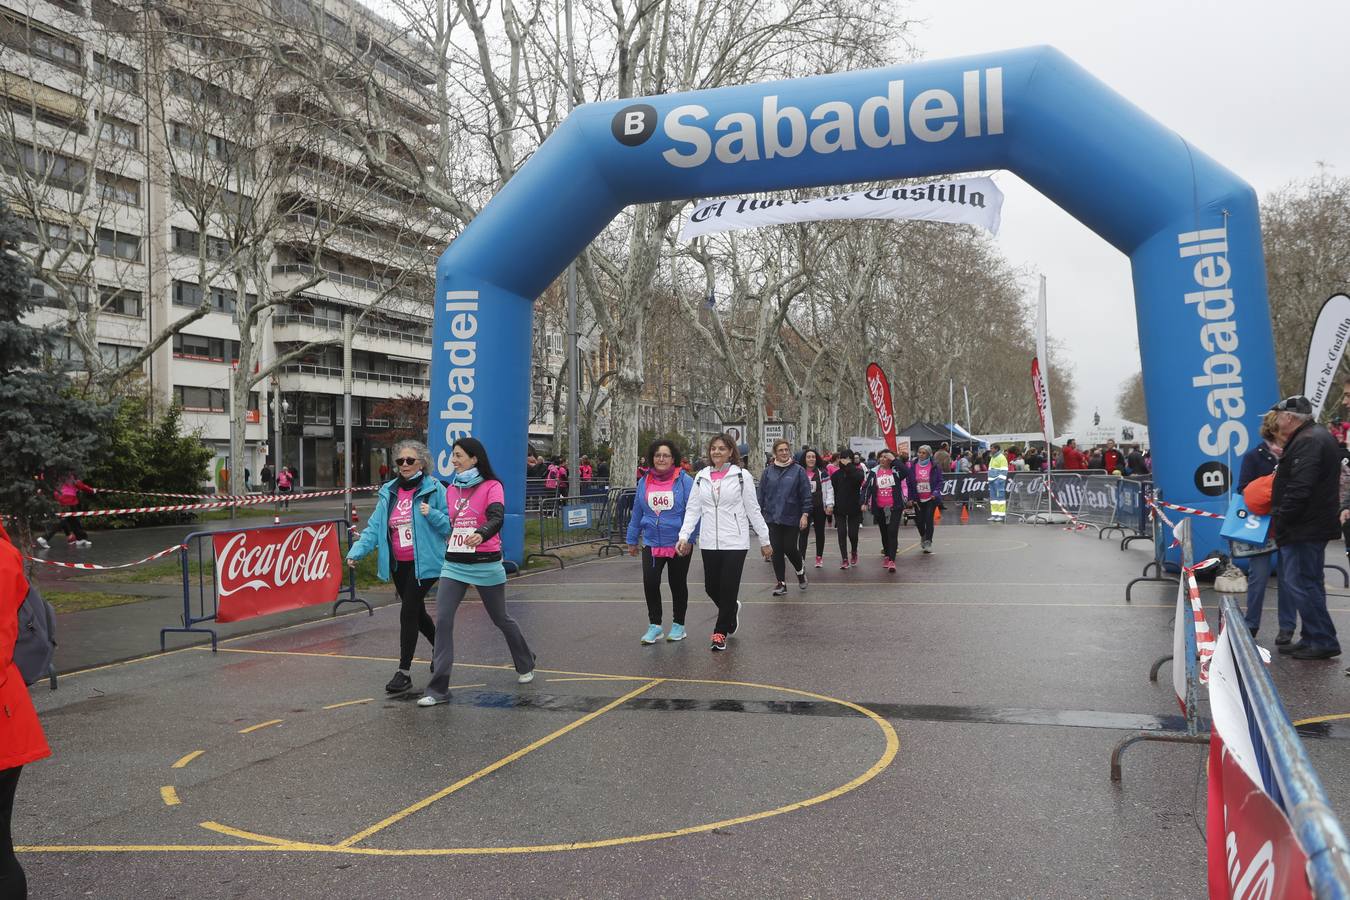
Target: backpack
[(1257, 494), (36, 644)]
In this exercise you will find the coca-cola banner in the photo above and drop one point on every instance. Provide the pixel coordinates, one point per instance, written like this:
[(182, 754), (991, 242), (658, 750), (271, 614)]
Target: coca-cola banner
[(267, 570), (879, 390)]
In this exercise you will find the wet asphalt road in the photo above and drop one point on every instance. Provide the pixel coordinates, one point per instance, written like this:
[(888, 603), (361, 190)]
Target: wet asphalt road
[(943, 732)]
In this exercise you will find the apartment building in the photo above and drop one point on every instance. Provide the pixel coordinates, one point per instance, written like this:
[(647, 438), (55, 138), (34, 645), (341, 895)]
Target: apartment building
[(139, 143)]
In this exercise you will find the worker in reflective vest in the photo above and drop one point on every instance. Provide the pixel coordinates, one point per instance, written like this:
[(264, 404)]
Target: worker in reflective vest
[(998, 485)]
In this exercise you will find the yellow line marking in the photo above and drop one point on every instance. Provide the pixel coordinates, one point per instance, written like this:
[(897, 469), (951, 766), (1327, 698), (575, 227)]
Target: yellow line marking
[(488, 770), (348, 703), (148, 848), (187, 759), (503, 668), (282, 843), (260, 725), (169, 795), (1315, 719), (593, 678)]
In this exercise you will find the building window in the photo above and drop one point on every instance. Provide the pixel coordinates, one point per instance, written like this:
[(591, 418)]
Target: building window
[(120, 301), (200, 399), (189, 242), (54, 236), (186, 294), (117, 354), (115, 74), (48, 167), (119, 244), (43, 294), (119, 189), (119, 131), (42, 43), (207, 349)]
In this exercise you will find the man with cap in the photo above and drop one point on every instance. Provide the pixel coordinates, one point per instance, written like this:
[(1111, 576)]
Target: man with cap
[(1304, 516)]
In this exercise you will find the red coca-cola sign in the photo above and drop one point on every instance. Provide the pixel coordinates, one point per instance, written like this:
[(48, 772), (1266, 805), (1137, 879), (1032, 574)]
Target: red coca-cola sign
[(266, 570), (879, 392)]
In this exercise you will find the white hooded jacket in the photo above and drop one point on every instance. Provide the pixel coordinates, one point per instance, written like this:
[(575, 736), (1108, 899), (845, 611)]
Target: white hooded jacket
[(727, 510)]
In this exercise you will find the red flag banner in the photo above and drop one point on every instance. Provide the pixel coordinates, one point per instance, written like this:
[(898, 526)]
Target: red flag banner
[(879, 390), (1042, 395), (267, 570)]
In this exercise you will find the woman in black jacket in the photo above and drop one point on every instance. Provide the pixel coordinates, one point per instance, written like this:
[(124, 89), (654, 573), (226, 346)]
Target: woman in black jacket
[(848, 483)]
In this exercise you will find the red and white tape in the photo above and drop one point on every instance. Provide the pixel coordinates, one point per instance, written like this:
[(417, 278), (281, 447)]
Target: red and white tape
[(219, 497), (1189, 510), (91, 566), (1204, 638), (250, 500)]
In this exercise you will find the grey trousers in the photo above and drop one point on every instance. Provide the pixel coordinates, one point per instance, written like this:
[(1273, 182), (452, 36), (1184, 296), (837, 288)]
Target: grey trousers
[(448, 597)]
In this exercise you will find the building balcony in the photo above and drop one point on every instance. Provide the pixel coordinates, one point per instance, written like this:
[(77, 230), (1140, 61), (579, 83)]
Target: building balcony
[(388, 378), (381, 337)]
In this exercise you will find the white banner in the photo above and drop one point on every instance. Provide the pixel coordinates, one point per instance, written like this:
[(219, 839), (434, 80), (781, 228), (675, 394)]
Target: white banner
[(1325, 349), (1048, 417), (967, 201)]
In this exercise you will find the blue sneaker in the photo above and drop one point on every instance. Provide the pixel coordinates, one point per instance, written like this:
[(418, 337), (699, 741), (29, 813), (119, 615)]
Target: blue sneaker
[(653, 634), (676, 633)]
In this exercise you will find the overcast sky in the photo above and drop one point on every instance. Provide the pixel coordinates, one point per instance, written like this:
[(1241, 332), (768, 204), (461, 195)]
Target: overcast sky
[(1262, 87)]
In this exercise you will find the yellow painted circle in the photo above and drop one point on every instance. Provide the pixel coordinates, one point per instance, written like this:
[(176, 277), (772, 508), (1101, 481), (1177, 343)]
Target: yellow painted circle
[(268, 842)]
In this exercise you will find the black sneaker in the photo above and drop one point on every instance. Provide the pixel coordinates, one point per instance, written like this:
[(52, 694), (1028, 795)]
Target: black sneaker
[(779, 589), (1316, 653), (801, 578), (719, 641), (399, 683), (1290, 648), (1284, 637)]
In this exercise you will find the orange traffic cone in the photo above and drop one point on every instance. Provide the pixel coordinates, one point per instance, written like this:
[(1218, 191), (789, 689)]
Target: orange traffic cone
[(937, 514), (965, 514)]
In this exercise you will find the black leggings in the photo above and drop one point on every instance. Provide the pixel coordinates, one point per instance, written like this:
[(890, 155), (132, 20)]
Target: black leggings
[(924, 518), (413, 616), (783, 538), (677, 573), (722, 580), (12, 881), (847, 523), (818, 524), (888, 522), (67, 524)]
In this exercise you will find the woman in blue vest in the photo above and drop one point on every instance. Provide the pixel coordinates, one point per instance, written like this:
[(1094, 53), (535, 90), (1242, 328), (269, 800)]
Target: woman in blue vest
[(409, 527), (658, 511)]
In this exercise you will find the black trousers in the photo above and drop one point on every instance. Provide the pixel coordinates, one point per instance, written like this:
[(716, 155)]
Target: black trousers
[(888, 521), (13, 884), (783, 539), (924, 519), (722, 580), (412, 617), (848, 524), (818, 525), (677, 573), (68, 525)]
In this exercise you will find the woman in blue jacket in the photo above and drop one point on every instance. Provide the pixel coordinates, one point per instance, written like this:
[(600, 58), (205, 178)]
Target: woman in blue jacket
[(658, 511), (409, 527)]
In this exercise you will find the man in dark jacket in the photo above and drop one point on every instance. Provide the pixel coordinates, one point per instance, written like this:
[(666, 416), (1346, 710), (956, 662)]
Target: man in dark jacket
[(1304, 509)]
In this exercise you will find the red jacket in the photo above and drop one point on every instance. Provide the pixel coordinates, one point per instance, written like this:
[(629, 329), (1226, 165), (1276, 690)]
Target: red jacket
[(1113, 460), (1074, 458), (21, 739)]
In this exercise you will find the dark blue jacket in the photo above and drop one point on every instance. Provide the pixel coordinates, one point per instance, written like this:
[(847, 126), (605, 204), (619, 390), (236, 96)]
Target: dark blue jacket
[(1256, 462), (784, 494), (934, 483), (662, 530)]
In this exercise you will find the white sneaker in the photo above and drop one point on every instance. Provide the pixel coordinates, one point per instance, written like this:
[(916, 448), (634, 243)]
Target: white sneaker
[(526, 678), (84, 543), (429, 700), (42, 542)]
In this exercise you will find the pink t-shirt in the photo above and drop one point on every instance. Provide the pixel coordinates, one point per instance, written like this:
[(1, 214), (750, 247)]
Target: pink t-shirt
[(923, 479), (468, 510), (661, 499), (715, 475), (885, 488), (400, 525)]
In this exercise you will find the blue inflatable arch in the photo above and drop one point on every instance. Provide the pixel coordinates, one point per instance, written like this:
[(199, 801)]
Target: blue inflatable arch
[(1190, 227)]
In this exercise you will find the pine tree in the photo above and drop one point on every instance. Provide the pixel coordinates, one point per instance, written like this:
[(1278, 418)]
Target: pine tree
[(43, 428)]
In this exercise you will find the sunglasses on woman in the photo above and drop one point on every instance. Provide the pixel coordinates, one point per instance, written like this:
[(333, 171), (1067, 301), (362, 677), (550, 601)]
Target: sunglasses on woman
[(407, 460)]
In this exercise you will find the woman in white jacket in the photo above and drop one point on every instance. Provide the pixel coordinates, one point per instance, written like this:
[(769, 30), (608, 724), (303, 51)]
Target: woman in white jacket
[(724, 508)]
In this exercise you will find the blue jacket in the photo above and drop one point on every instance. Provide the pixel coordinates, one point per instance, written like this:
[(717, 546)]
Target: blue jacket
[(784, 494), (662, 531), (1256, 462), (934, 484), (430, 532)]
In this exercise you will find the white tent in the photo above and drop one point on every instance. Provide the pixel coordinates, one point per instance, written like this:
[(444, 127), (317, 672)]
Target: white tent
[(1122, 431)]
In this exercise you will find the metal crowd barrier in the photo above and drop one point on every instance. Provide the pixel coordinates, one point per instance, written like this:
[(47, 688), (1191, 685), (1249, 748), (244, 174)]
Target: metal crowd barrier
[(1161, 536), (1132, 512), (536, 491), (1100, 501), (1190, 703), (608, 514), (1319, 832), (201, 598)]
